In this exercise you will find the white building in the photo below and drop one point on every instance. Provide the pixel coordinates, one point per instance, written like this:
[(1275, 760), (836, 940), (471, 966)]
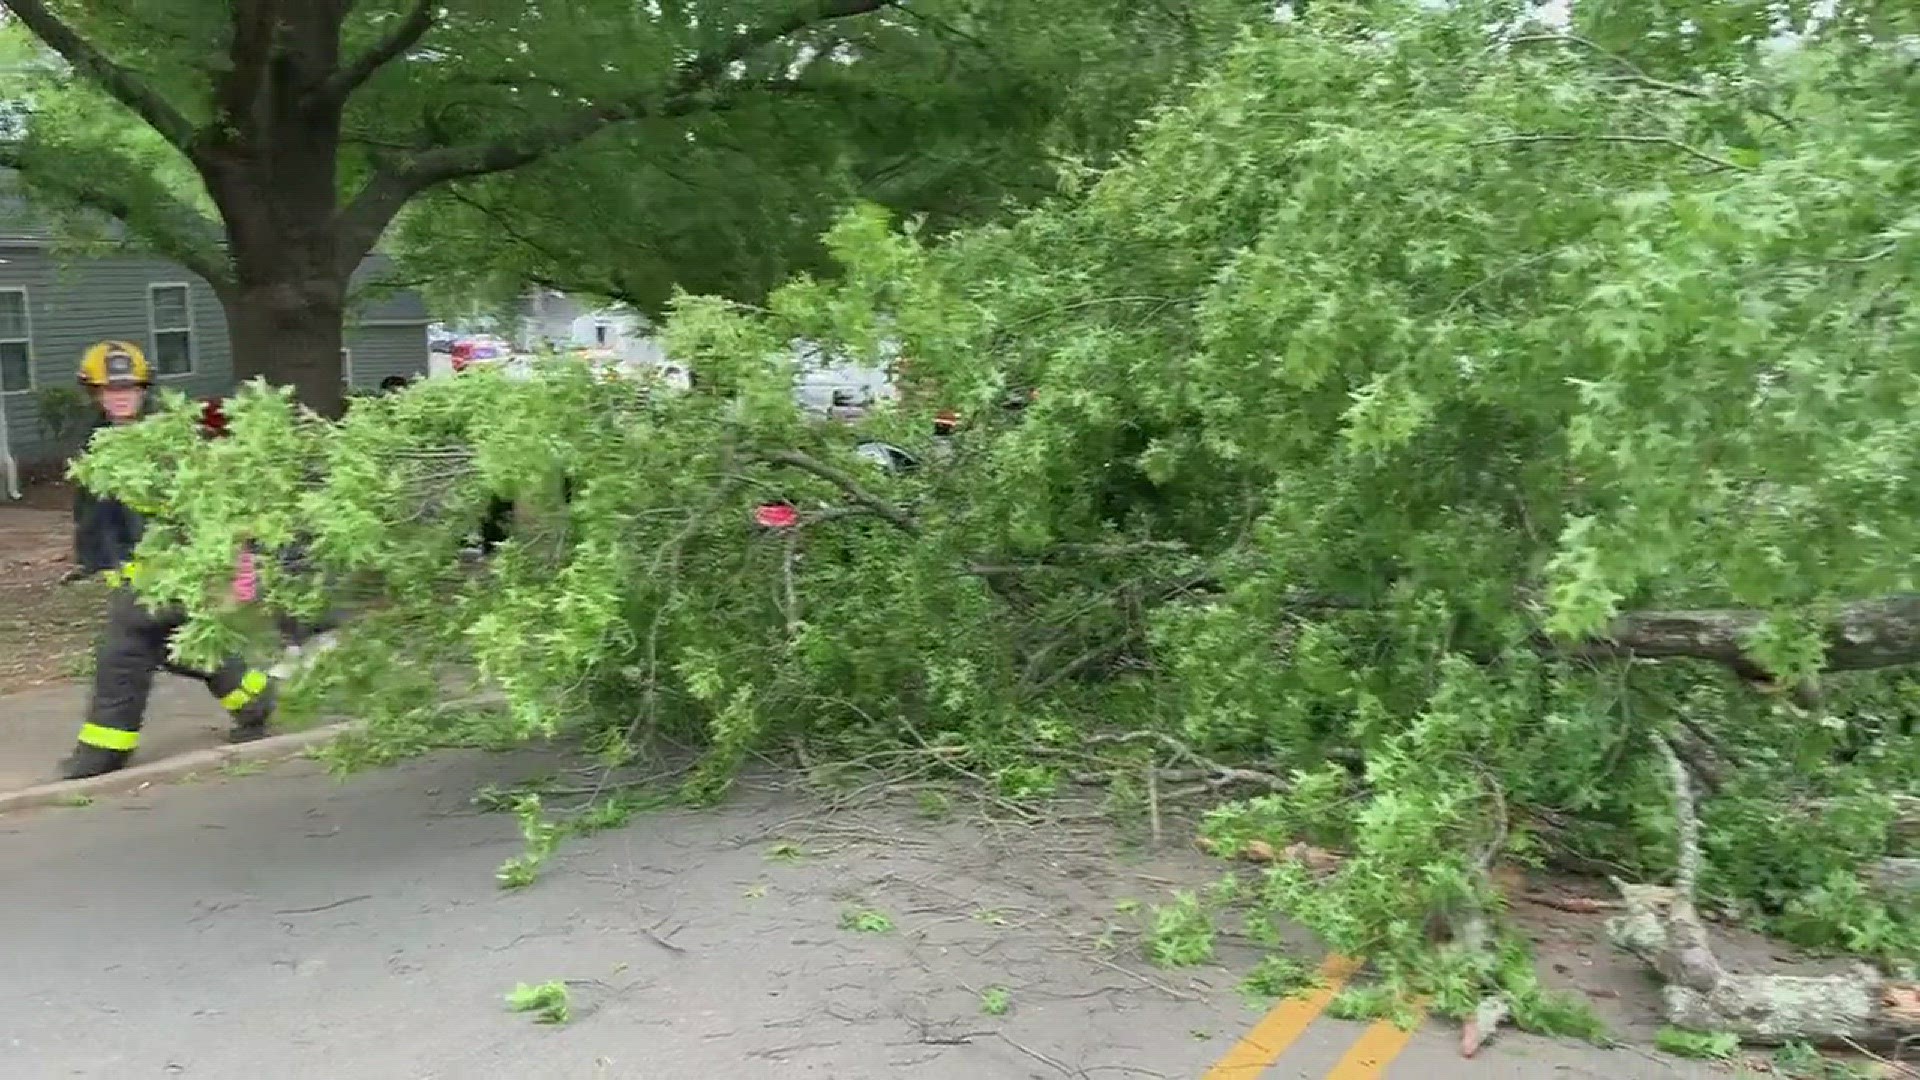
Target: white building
[(554, 320)]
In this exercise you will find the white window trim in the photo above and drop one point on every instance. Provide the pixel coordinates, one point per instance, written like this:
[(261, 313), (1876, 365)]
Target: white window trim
[(26, 306), (346, 366), (154, 330)]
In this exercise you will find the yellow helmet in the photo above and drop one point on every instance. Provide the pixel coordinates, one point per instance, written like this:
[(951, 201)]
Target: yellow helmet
[(115, 363)]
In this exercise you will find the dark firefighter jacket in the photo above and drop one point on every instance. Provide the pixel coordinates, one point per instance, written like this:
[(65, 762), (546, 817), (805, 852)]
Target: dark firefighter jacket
[(105, 531)]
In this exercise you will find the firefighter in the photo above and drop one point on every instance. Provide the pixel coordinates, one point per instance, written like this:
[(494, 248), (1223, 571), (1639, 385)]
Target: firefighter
[(134, 645)]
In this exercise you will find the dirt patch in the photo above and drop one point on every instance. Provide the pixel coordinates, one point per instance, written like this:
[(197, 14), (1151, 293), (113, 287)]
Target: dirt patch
[(45, 489), (47, 636)]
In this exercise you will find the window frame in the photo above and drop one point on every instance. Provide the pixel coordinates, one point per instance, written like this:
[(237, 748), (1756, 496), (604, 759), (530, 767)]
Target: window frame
[(26, 315), (154, 329)]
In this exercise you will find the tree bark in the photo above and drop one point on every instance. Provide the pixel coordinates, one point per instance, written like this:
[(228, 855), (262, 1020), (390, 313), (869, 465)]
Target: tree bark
[(1861, 1006), (1861, 635), (1897, 877), (272, 169), (1662, 928), (289, 334)]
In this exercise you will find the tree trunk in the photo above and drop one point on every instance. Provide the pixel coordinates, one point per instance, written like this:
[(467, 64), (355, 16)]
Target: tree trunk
[(289, 333), (273, 171)]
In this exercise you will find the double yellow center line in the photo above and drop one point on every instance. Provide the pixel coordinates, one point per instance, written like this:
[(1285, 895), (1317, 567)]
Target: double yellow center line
[(1257, 1052)]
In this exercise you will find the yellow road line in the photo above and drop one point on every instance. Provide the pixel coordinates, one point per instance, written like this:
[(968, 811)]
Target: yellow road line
[(1376, 1048), (1277, 1030)]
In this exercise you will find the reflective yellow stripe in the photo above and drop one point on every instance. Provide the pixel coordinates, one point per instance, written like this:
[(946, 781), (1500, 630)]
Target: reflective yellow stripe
[(252, 685), (107, 738)]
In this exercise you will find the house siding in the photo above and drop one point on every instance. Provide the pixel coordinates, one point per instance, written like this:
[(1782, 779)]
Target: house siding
[(73, 303), (383, 351)]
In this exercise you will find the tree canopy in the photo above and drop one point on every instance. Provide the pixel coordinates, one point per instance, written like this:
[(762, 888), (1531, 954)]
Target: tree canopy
[(955, 122), (1463, 444), (268, 146)]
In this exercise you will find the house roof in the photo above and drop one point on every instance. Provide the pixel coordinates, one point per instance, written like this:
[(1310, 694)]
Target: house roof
[(21, 223), (373, 296)]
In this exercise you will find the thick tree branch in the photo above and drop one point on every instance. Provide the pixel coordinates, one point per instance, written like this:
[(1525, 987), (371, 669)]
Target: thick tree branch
[(405, 35), (429, 167), (167, 224), (125, 87), (238, 88), (698, 86), (1662, 927), (1859, 636), (362, 221)]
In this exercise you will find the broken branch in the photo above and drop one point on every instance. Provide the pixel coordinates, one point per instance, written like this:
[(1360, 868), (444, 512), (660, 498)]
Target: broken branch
[(1662, 928), (1212, 773)]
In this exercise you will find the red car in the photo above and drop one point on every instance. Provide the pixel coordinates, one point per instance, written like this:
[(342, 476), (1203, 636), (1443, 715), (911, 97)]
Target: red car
[(469, 351)]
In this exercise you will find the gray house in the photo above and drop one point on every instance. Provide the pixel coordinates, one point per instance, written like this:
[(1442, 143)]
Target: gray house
[(54, 304)]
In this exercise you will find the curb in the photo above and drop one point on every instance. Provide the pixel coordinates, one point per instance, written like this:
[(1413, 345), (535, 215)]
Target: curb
[(135, 777)]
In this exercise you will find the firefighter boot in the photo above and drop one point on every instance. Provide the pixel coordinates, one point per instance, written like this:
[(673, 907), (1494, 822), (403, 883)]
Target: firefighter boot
[(250, 720), (88, 761)]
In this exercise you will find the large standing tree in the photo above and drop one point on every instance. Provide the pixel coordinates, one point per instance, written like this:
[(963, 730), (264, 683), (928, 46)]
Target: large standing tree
[(310, 125)]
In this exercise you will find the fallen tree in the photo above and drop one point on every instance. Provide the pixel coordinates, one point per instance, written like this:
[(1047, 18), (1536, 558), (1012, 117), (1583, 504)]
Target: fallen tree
[(1392, 406)]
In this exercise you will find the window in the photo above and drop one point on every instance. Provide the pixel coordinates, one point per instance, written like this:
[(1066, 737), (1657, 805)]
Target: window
[(600, 335), (16, 342), (170, 318), (346, 367)]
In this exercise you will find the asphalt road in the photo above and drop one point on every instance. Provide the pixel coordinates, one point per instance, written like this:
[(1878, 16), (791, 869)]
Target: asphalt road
[(286, 925)]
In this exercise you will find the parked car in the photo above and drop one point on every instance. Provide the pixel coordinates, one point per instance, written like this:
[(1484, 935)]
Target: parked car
[(482, 349)]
